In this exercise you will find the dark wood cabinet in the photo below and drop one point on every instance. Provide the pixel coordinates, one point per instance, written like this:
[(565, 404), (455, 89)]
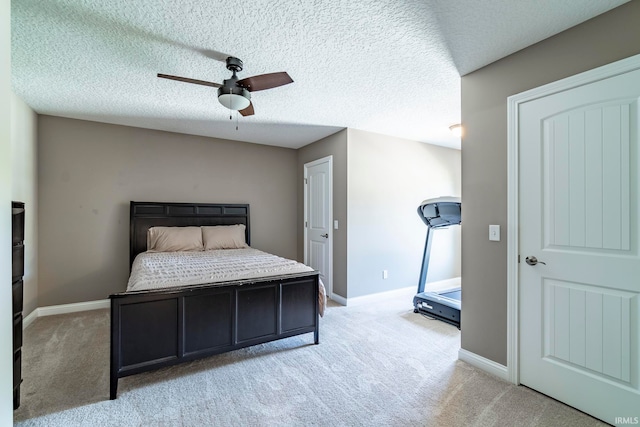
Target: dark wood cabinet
[(17, 262)]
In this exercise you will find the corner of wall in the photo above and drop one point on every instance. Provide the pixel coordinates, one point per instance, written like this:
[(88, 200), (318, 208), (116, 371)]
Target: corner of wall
[(335, 145), (6, 325), (387, 178), (24, 161), (604, 39)]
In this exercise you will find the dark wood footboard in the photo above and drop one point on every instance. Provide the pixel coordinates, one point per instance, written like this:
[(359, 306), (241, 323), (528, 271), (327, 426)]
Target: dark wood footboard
[(153, 329)]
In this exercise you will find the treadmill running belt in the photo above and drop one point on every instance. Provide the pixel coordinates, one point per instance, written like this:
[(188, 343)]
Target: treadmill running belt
[(453, 295)]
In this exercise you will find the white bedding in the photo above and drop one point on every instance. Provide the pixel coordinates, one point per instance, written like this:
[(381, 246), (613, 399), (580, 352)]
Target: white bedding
[(157, 270)]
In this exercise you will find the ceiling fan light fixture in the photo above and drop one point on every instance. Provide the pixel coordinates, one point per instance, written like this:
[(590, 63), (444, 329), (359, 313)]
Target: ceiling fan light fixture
[(235, 99), (235, 94)]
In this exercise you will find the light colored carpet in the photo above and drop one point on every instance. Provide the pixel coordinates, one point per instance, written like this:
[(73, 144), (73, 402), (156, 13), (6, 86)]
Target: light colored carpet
[(376, 365)]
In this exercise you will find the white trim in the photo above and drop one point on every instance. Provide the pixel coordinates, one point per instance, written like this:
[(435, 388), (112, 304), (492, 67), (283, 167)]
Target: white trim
[(513, 105), (380, 296), (513, 370), (329, 272), (483, 363), (373, 298), (604, 72), (73, 308), (339, 299), (52, 310), (29, 319)]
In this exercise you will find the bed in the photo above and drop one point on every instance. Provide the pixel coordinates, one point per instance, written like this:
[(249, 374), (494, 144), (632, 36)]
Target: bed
[(163, 326)]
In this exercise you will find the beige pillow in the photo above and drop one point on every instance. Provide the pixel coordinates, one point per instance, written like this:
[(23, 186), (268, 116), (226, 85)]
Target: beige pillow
[(174, 239), (224, 237)]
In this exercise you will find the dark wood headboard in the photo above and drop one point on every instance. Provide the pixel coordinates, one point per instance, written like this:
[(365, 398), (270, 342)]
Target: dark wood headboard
[(144, 215)]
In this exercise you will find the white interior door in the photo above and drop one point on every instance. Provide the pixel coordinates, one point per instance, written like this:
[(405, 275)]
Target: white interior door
[(578, 213), (318, 253)]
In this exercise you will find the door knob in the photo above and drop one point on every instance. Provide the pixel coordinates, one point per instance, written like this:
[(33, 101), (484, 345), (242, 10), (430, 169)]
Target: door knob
[(326, 235), (531, 260)]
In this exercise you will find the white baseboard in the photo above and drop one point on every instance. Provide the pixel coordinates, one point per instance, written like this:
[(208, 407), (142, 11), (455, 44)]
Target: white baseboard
[(337, 298), (380, 296), (483, 363), (368, 299), (52, 310), (29, 319)]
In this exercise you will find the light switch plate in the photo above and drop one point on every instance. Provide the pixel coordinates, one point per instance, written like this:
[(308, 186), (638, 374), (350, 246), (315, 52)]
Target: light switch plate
[(335, 224), (494, 233)]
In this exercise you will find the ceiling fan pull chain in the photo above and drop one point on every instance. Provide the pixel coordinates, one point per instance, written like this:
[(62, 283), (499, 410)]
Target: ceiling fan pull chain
[(237, 114), (230, 102)]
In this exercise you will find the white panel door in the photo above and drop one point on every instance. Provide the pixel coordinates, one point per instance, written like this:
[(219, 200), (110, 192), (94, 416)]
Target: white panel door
[(318, 252), (578, 207)]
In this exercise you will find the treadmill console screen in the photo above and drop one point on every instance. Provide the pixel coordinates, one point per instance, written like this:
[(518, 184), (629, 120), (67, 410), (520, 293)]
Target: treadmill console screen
[(441, 214)]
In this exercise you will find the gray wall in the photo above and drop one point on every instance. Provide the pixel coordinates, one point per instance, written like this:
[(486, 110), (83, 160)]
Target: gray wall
[(387, 179), (6, 323), (24, 144), (335, 145), (88, 173), (604, 39), (377, 177)]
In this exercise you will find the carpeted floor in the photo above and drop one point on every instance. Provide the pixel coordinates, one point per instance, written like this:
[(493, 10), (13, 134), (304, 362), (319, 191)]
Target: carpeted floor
[(376, 365)]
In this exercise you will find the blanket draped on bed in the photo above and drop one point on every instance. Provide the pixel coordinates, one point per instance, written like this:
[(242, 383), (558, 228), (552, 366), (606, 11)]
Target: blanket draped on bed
[(156, 270)]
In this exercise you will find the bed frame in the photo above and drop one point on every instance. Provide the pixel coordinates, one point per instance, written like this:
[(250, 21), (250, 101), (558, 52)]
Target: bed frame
[(158, 328)]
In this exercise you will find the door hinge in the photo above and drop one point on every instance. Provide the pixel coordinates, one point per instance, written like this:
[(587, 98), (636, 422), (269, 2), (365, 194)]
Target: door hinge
[(305, 181), (518, 258), (305, 226)]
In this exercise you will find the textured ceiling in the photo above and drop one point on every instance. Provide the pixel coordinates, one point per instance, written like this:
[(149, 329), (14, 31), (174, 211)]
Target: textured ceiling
[(386, 66)]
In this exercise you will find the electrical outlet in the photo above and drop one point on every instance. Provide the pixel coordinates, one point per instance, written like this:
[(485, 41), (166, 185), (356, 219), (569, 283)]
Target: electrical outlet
[(494, 233), (385, 274)]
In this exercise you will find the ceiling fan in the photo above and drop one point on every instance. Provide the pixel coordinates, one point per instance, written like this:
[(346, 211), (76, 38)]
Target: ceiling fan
[(236, 94)]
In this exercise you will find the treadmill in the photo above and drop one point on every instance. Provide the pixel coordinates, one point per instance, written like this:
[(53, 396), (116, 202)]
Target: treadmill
[(438, 213)]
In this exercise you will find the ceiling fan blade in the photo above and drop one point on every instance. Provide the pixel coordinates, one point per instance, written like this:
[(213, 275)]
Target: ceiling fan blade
[(265, 81), (248, 111), (187, 80)]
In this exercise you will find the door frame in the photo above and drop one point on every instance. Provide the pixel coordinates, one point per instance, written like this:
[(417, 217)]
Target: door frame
[(329, 273), (513, 110)]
